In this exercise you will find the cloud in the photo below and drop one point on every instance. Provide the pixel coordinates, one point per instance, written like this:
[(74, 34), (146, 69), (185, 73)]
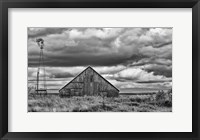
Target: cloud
[(159, 69), (100, 46), (56, 72), (157, 81), (157, 36), (109, 70), (138, 75), (152, 60), (125, 56), (163, 52), (162, 44), (62, 75), (129, 86), (101, 33), (34, 32), (159, 66), (71, 43)]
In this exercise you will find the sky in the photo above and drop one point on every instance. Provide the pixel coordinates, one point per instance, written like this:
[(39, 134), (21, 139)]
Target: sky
[(129, 58)]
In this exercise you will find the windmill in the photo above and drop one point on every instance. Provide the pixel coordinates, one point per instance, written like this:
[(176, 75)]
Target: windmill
[(41, 76)]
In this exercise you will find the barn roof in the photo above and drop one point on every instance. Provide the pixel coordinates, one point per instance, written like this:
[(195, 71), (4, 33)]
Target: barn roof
[(95, 72)]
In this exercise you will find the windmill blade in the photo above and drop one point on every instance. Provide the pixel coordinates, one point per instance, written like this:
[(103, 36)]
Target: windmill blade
[(40, 40), (40, 43)]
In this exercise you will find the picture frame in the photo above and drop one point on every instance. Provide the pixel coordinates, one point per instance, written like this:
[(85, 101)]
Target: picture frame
[(4, 59)]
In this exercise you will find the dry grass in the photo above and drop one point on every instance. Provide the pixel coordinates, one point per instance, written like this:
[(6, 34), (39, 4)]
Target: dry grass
[(125, 103)]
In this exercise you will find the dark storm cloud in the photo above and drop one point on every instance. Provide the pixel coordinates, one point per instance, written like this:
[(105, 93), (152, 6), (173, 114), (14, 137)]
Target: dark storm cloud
[(156, 65), (153, 60), (165, 72), (157, 69), (162, 44), (101, 47), (39, 32), (62, 75), (158, 81), (164, 52), (136, 80), (81, 60)]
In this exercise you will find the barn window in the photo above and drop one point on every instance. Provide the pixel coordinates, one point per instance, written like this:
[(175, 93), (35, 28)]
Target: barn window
[(91, 78)]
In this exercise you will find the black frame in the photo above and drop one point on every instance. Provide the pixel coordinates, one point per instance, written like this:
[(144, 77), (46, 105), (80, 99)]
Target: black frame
[(5, 4)]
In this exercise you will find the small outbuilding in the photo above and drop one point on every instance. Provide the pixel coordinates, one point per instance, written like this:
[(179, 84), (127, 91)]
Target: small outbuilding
[(90, 83)]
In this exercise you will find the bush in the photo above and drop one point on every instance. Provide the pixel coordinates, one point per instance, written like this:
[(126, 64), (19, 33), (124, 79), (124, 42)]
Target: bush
[(164, 98), (31, 90)]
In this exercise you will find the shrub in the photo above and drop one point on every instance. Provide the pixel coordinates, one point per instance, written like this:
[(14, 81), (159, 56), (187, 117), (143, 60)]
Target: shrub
[(31, 90), (164, 98), (160, 96)]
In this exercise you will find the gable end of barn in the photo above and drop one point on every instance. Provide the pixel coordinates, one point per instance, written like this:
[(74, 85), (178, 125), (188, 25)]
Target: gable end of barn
[(89, 82)]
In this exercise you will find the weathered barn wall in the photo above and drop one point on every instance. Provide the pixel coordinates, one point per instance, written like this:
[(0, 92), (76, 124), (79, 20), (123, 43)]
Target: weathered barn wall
[(89, 82)]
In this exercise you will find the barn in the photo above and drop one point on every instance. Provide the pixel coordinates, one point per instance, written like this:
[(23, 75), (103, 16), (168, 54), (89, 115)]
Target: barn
[(90, 83)]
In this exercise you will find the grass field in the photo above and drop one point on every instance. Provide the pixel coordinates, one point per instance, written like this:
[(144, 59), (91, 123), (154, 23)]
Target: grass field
[(123, 103)]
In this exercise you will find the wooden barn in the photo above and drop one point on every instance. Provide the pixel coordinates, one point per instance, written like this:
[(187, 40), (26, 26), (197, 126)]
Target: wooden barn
[(90, 83)]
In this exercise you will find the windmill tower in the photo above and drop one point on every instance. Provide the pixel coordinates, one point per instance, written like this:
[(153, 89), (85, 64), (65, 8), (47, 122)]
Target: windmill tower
[(41, 75)]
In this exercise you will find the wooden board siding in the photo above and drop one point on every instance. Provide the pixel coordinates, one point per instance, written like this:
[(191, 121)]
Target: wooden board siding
[(90, 83)]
